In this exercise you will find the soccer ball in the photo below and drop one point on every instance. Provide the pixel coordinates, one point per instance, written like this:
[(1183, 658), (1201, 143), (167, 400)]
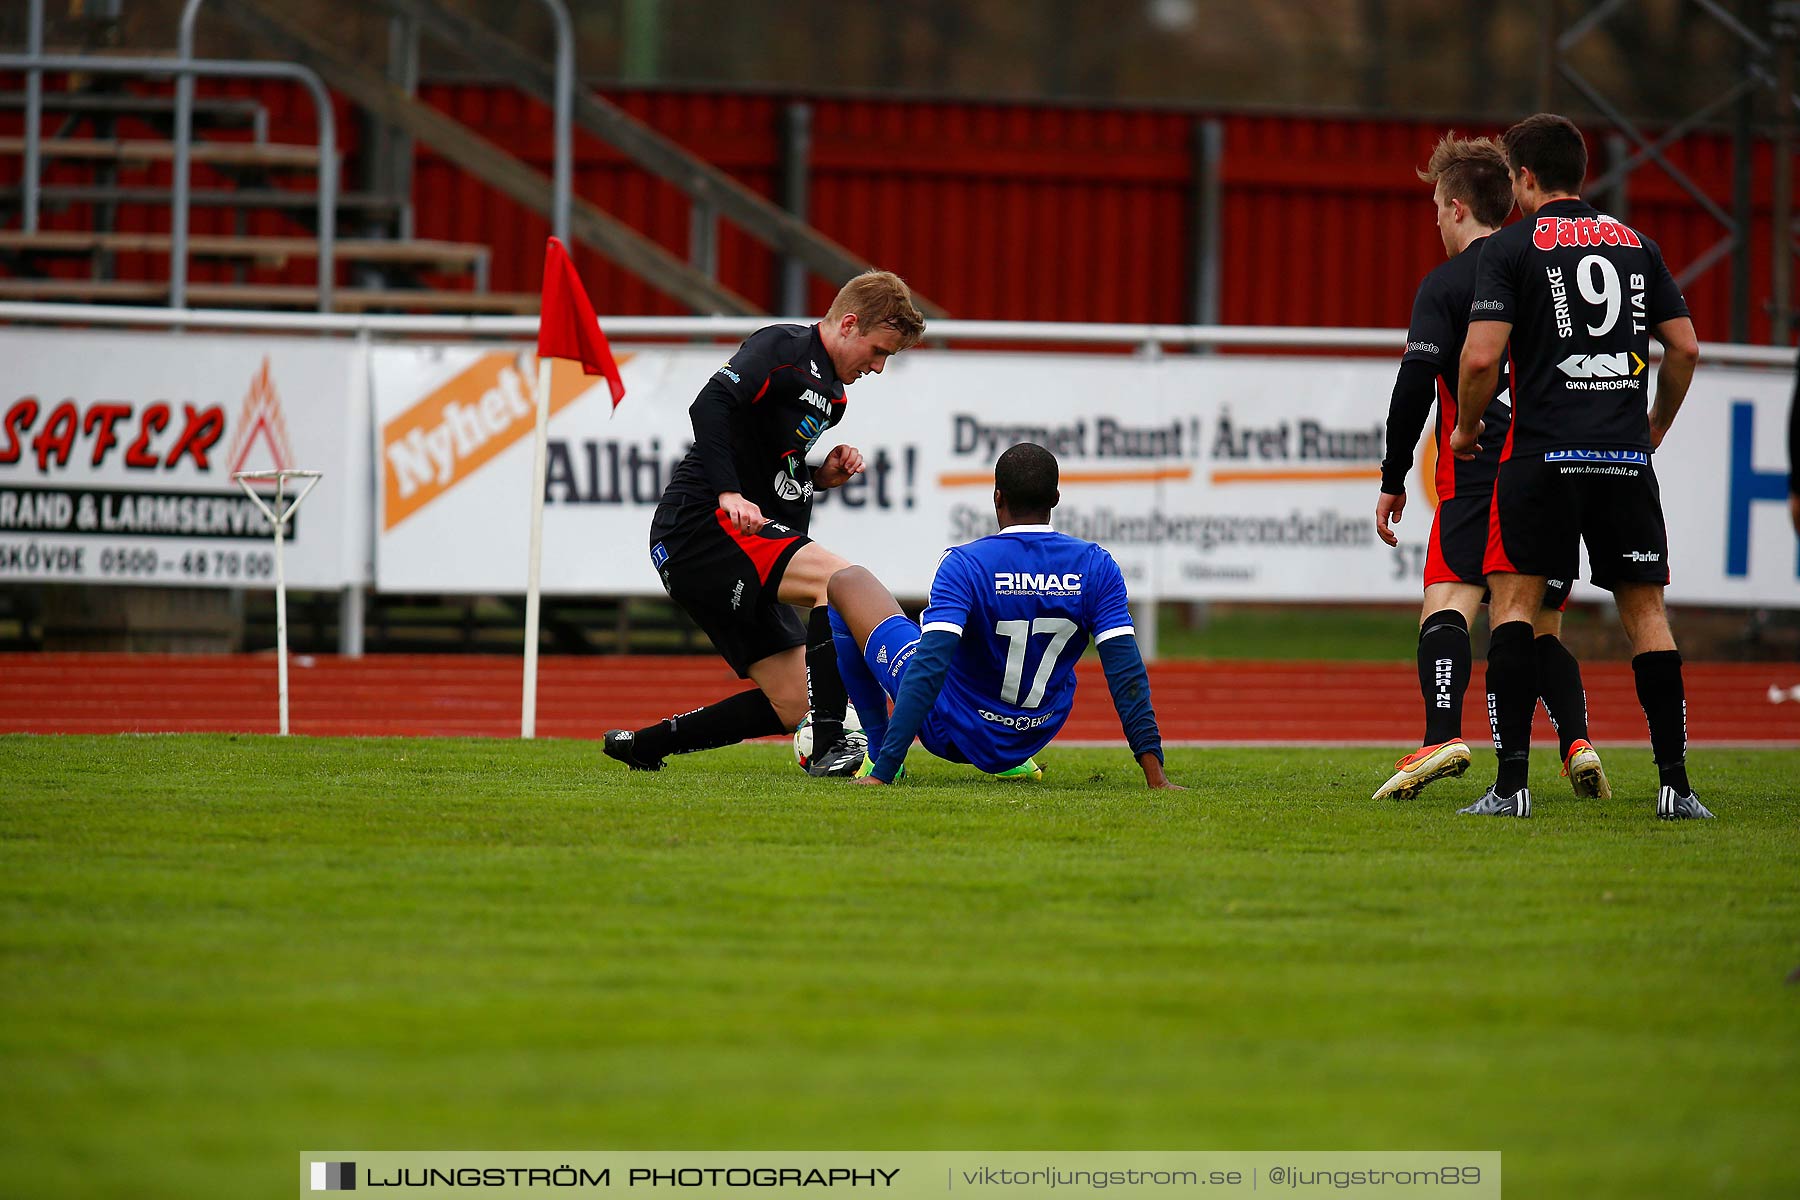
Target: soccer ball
[(803, 736)]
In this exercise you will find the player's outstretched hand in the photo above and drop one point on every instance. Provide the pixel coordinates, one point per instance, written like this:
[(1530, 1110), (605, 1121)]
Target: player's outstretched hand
[(745, 516), (1464, 444), (1154, 778), (1389, 508), (838, 467)]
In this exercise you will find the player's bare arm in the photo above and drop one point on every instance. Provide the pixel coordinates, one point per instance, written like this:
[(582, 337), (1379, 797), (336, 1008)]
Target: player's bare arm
[(745, 516), (1388, 509), (1681, 354), (1477, 377)]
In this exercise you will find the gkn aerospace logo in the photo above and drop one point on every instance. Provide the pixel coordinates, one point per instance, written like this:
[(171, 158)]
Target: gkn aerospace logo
[(1601, 366)]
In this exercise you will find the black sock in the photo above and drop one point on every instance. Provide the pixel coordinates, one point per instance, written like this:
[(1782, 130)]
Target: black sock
[(745, 715), (1443, 673), (1665, 707), (1512, 699), (1559, 683), (824, 686)]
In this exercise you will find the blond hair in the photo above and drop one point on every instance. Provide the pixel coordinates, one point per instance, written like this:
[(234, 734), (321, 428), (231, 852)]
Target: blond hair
[(1473, 170), (880, 300)]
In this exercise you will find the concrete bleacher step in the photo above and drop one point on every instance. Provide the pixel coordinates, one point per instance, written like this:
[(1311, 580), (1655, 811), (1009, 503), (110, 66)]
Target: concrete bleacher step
[(422, 252), (257, 154), (232, 295)]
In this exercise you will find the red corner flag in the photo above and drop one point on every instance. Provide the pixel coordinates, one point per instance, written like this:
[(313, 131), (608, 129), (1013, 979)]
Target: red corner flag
[(567, 327)]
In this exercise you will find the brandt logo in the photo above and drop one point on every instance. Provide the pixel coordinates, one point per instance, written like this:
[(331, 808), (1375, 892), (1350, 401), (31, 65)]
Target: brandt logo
[(334, 1177)]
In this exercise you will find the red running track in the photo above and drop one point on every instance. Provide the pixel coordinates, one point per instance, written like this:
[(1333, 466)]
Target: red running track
[(465, 696)]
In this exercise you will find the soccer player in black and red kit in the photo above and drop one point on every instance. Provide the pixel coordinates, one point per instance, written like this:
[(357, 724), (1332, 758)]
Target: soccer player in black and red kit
[(1472, 195), (1575, 297), (729, 538)]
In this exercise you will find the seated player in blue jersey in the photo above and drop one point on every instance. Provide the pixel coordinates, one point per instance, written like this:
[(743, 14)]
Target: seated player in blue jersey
[(990, 677)]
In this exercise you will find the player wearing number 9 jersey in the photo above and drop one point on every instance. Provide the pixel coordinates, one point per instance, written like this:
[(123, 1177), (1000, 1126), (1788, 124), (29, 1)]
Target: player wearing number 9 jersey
[(1575, 295), (989, 678)]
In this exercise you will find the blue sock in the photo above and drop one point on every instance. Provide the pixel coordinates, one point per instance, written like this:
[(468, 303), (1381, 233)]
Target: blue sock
[(859, 682)]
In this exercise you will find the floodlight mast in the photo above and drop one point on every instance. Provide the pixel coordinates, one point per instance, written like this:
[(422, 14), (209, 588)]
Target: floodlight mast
[(278, 517)]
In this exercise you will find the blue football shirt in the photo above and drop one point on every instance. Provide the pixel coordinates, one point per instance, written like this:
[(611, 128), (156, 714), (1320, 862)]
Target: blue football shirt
[(1025, 603)]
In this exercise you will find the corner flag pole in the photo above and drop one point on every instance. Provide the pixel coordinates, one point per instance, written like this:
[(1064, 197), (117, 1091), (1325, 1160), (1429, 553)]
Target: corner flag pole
[(278, 517), (540, 454), (567, 328)]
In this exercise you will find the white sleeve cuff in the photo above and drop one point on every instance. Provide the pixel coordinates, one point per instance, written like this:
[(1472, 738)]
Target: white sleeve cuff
[(1116, 631), (945, 626)]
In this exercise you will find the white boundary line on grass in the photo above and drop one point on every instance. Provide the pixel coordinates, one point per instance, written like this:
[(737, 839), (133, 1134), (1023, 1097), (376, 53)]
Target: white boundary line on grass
[(1291, 744)]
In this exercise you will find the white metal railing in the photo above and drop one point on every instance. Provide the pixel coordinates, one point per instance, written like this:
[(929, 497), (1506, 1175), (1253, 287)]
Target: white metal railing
[(187, 68), (1146, 338)]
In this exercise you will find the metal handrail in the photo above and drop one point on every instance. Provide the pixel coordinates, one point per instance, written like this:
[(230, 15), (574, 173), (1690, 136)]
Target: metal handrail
[(184, 127), (563, 180), (1016, 333), (34, 118), (225, 68)]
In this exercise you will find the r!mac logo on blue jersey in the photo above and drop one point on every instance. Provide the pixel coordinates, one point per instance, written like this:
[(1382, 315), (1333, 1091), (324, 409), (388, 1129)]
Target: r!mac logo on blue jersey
[(1040, 585)]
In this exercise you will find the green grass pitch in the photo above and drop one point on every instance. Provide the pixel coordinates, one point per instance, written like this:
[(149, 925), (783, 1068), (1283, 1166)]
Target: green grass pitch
[(219, 951)]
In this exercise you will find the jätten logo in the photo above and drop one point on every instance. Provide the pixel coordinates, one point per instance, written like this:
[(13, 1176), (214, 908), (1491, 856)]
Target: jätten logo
[(1551, 232)]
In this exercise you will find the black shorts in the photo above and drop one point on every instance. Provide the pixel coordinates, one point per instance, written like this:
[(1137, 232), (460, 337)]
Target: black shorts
[(728, 582), (1606, 498), (1459, 542)]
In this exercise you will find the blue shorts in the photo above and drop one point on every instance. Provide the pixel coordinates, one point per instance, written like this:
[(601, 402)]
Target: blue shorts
[(889, 651)]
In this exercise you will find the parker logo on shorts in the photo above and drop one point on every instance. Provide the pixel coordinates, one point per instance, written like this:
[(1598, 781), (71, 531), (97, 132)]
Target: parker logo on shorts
[(737, 595), (1643, 556)]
